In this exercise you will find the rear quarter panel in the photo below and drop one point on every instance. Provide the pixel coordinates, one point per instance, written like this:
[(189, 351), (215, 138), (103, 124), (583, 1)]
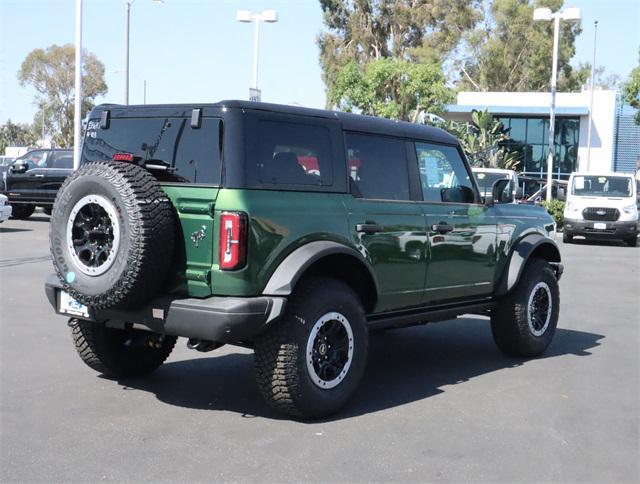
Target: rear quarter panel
[(279, 223)]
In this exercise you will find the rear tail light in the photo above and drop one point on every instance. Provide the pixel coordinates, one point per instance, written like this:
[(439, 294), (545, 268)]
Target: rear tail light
[(123, 157), (233, 240)]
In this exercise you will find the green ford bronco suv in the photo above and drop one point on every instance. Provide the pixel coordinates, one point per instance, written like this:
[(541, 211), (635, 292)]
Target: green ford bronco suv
[(291, 231)]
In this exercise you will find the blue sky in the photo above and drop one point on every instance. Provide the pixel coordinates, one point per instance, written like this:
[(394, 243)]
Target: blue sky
[(195, 51)]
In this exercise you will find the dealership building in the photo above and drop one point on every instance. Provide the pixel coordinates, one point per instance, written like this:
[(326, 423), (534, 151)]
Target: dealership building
[(615, 138)]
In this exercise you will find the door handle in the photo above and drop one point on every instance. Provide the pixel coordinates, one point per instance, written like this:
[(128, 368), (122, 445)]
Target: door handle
[(369, 228), (442, 227)]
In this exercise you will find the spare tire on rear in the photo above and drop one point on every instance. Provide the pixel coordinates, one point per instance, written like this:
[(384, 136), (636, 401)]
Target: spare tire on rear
[(112, 235)]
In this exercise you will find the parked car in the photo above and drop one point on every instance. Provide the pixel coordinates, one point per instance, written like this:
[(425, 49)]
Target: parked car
[(211, 222), (602, 206), (5, 163), (5, 209), (486, 177), (34, 179)]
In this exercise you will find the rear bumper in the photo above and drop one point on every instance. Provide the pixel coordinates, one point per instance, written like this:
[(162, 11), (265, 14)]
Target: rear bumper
[(221, 319), (614, 230)]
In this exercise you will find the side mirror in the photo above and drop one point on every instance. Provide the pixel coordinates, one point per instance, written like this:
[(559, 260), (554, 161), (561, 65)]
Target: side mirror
[(500, 192), (459, 194), (562, 194), (18, 168)]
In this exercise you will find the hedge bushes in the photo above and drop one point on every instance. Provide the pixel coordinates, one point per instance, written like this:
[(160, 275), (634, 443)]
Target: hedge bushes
[(556, 210)]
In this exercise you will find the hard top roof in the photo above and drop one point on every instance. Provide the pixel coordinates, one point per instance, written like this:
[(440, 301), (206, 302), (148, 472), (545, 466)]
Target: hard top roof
[(350, 121)]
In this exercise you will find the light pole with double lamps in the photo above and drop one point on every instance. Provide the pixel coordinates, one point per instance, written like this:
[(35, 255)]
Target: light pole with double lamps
[(545, 14)]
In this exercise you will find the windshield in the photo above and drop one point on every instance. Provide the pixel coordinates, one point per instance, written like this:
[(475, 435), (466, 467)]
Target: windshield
[(486, 180), (602, 186), (189, 155)]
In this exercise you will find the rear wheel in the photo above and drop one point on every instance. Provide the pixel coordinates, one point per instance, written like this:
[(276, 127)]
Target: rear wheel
[(120, 353), (524, 322), (47, 210), (310, 362), (22, 211)]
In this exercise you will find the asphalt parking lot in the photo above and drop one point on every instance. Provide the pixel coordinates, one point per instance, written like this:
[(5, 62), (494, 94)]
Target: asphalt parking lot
[(438, 402)]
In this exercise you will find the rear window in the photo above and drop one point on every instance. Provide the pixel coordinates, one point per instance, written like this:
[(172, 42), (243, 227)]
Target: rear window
[(290, 154), (190, 155)]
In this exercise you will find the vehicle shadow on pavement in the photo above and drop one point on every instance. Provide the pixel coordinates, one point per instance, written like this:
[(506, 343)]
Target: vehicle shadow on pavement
[(404, 366), (8, 230)]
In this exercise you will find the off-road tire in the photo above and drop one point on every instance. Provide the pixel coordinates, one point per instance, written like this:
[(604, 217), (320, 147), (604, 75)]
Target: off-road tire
[(280, 353), (509, 319), (566, 238), (147, 227), (632, 241), (119, 353), (22, 211)]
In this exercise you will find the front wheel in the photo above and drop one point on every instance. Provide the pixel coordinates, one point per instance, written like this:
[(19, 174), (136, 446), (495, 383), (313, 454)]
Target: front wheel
[(632, 241), (310, 362), (120, 353), (524, 322), (566, 238), (22, 211)]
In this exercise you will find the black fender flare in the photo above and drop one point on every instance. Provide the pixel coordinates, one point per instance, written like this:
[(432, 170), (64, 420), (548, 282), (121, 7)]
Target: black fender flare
[(291, 269), (521, 253)]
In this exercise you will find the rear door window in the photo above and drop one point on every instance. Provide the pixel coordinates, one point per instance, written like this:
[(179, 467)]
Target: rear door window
[(190, 155), (286, 154), (61, 160), (377, 167)]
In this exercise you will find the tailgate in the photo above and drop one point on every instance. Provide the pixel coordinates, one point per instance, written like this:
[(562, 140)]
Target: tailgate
[(195, 240)]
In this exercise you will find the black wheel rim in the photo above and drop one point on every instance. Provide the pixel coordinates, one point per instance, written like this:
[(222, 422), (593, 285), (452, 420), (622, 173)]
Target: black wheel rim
[(93, 234), (539, 308), (330, 350)]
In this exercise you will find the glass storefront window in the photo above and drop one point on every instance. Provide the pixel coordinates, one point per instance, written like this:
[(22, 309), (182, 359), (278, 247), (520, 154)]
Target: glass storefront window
[(530, 136)]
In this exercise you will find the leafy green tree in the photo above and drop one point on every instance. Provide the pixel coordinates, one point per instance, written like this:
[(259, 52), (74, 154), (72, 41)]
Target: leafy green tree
[(50, 72), (16, 134), (631, 90), (508, 51), (483, 140), (391, 88), (364, 30)]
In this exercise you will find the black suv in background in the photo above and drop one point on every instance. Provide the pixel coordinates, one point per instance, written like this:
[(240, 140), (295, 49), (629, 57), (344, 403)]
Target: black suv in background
[(34, 179)]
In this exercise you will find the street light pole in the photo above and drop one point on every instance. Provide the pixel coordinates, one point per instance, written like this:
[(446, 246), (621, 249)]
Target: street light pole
[(552, 109), (593, 82), (247, 16), (545, 14), (77, 112), (256, 50), (127, 15)]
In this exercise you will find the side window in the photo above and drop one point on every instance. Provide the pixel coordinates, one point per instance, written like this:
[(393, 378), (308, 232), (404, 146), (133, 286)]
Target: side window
[(35, 159), (198, 153), (377, 167), (291, 154), (62, 160), (443, 175)]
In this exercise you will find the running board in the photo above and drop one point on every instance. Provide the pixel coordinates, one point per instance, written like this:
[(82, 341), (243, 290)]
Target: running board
[(431, 315)]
